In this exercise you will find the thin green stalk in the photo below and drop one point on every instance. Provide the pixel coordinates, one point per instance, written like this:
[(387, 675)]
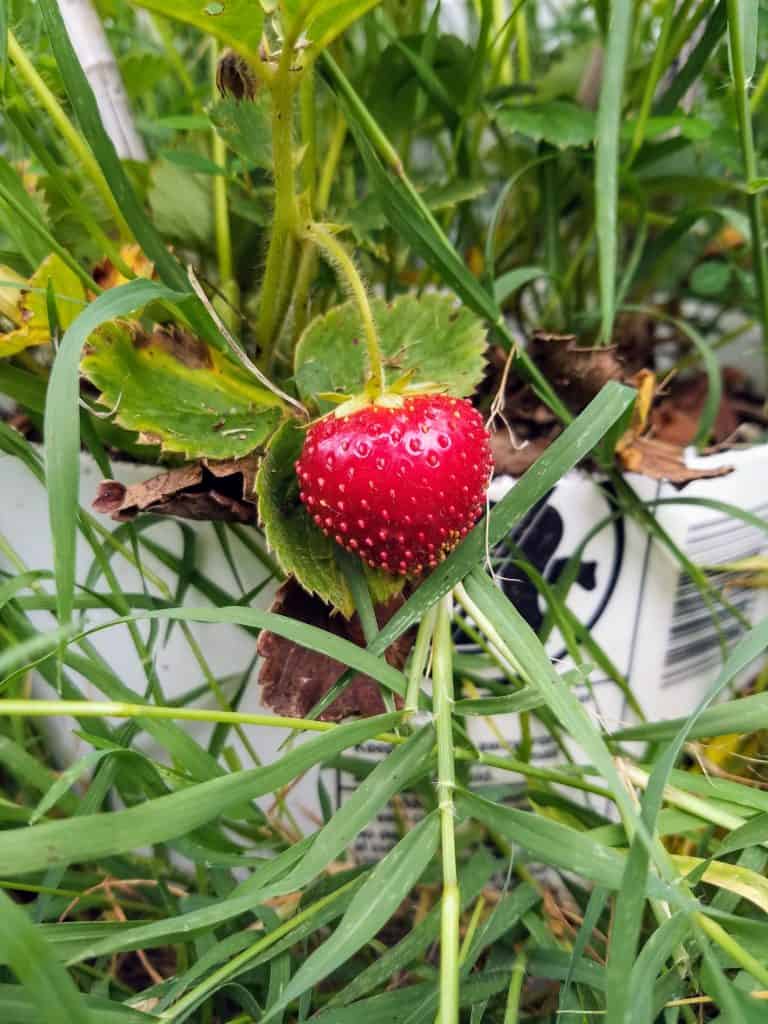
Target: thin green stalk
[(754, 206), (67, 130), (657, 64), (340, 259), (275, 287), (215, 979), (419, 660), (760, 90), (308, 259), (607, 160), (308, 135), (523, 49), (695, 805), (119, 709), (485, 625), (469, 935), (515, 988), (442, 690), (729, 945)]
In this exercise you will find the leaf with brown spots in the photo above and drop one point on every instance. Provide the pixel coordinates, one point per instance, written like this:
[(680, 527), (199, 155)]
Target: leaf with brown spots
[(179, 392), (293, 679), (206, 490), (107, 275)]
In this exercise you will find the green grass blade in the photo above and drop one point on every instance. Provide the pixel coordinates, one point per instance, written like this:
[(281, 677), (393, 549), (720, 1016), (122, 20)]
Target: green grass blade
[(631, 900), (312, 637), (387, 886), (49, 987), (311, 856), (100, 835), (62, 424), (84, 104), (576, 441)]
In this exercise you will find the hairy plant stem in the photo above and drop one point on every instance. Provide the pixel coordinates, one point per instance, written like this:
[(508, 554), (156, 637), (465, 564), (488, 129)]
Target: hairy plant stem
[(308, 260), (754, 208), (442, 694), (278, 274), (343, 263), (66, 128)]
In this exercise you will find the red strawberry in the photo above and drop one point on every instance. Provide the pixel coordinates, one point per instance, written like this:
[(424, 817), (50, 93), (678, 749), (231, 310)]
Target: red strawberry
[(399, 486)]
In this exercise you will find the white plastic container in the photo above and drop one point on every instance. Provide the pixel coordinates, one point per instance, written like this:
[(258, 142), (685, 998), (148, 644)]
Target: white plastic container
[(228, 649)]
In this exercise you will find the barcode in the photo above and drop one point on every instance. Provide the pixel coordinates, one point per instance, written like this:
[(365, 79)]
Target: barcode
[(699, 632)]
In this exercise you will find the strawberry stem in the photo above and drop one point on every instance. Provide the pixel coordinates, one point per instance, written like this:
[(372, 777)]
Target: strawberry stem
[(337, 255)]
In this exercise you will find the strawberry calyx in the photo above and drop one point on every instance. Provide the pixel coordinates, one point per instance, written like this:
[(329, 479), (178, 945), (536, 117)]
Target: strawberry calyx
[(392, 398)]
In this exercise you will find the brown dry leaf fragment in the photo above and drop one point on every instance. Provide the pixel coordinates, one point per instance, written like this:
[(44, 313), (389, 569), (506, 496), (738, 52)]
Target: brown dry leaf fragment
[(577, 374), (293, 679), (676, 417), (106, 275), (662, 461), (514, 459), (205, 490)]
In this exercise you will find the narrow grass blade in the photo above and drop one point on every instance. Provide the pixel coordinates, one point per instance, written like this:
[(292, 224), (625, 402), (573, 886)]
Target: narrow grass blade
[(49, 987), (84, 104), (631, 900), (576, 441), (100, 835), (62, 425), (388, 885)]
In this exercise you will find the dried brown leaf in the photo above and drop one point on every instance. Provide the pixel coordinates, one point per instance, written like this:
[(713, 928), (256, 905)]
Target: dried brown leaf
[(514, 457), (662, 461), (205, 490), (577, 374), (293, 679)]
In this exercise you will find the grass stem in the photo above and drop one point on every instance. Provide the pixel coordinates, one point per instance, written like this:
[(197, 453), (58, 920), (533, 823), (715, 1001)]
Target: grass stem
[(67, 130), (442, 689)]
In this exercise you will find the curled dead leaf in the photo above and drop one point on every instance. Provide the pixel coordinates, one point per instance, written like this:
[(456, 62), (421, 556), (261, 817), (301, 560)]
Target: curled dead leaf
[(293, 679), (513, 457), (662, 461), (205, 490), (576, 373)]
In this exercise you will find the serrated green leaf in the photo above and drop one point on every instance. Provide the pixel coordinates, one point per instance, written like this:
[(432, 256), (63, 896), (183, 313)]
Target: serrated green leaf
[(181, 203), (299, 546), (442, 343), (558, 122), (245, 128), (238, 23), (176, 388)]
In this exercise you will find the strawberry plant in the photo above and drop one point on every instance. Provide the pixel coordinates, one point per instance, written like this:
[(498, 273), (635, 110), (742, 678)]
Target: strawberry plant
[(387, 364)]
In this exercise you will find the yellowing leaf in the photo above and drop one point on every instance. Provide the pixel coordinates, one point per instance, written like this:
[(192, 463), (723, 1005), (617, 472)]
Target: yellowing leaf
[(31, 310), (743, 881), (179, 392)]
